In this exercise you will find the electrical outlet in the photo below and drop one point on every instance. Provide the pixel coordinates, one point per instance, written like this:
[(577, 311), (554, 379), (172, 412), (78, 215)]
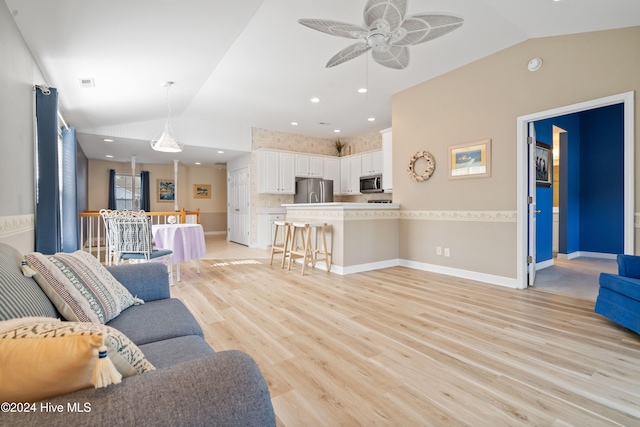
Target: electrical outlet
[(439, 250), (446, 252)]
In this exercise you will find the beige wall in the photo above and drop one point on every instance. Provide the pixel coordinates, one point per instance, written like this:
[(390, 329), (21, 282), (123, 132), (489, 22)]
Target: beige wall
[(482, 100), (213, 211)]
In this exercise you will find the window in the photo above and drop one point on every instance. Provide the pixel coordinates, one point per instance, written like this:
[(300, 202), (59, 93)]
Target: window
[(124, 192)]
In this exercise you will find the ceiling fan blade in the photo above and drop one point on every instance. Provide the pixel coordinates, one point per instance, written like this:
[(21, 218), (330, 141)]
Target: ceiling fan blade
[(348, 53), (424, 27), (393, 11), (335, 28), (395, 57)]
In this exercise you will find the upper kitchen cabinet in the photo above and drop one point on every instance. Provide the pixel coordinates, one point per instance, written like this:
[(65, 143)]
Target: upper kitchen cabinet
[(387, 160), (350, 172), (331, 171), (276, 172), (372, 163), (308, 166)]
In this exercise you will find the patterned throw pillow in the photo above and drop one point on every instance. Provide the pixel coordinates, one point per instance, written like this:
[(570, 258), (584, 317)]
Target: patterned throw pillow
[(41, 357), (80, 287)]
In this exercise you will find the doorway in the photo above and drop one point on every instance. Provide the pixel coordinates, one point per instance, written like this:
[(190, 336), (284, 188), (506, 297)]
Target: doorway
[(526, 190)]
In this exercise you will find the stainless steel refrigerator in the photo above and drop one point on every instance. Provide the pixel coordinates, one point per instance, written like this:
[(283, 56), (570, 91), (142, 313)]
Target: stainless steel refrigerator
[(314, 190)]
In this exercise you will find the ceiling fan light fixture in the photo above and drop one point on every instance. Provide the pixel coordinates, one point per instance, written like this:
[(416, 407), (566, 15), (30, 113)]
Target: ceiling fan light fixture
[(167, 141)]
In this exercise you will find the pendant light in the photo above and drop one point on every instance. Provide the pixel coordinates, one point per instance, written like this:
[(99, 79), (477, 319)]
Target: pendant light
[(167, 142)]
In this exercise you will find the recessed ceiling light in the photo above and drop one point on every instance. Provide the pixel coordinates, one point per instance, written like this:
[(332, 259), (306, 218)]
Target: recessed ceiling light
[(337, 131), (220, 152), (294, 123), (109, 156), (315, 99), (372, 119), (198, 163), (88, 82), (107, 140), (363, 90)]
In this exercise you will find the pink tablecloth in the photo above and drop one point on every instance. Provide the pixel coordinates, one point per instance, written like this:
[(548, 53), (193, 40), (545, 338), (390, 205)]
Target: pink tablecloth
[(185, 240)]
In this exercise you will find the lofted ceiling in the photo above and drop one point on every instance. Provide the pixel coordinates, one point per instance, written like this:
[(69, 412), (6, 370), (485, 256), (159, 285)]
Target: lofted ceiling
[(242, 64)]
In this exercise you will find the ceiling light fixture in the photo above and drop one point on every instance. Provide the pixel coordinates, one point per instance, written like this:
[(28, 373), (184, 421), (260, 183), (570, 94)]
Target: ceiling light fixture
[(315, 99), (167, 142), (362, 90), (107, 139), (534, 64), (294, 123), (337, 131), (372, 119)]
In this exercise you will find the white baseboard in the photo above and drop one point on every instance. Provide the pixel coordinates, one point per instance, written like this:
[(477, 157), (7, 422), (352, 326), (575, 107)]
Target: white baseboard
[(212, 233), (455, 272), (544, 264), (586, 254), (464, 274)]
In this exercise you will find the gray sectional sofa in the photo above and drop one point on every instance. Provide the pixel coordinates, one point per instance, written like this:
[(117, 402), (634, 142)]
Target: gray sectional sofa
[(192, 385)]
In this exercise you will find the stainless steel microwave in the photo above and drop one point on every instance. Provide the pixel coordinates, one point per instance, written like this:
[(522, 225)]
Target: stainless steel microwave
[(371, 184)]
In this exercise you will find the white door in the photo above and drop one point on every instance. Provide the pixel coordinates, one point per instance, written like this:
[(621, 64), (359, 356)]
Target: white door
[(531, 259), (238, 201)]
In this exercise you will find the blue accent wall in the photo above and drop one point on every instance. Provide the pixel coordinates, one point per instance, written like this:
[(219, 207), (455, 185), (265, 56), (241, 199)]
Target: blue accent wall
[(591, 190), (602, 180)]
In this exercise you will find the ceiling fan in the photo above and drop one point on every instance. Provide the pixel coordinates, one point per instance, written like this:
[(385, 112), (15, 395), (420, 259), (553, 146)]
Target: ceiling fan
[(387, 32)]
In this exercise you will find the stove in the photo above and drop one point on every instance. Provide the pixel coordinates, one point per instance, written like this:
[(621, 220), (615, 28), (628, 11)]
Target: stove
[(380, 201)]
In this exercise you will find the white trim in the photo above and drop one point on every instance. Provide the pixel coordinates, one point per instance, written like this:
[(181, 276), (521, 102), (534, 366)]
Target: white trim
[(11, 225), (360, 268), (211, 233), (586, 254), (475, 216), (522, 122), (464, 274), (544, 264)]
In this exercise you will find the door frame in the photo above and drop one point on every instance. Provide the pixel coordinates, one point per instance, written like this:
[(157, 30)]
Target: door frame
[(627, 99)]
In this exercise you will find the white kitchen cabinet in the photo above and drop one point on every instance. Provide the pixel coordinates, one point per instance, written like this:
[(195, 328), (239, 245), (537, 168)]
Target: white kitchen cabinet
[(266, 228), (308, 166), (331, 172), (372, 163), (387, 160), (350, 172), (276, 172)]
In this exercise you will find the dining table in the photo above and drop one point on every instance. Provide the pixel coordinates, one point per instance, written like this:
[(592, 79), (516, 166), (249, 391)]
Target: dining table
[(185, 240)]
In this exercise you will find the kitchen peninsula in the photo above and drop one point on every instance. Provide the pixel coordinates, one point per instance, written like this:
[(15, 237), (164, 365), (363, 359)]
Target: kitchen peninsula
[(360, 236)]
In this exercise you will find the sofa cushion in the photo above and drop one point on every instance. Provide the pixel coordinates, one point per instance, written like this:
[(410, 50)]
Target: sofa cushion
[(622, 285), (156, 321), (20, 296), (80, 287), (176, 350), (42, 357)]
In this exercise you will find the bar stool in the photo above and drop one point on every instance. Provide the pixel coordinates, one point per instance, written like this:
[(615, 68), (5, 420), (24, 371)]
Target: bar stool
[(275, 248), (307, 252)]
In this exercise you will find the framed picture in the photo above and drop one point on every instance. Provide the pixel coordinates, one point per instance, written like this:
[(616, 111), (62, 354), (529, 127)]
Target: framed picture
[(544, 164), (201, 191), (166, 190), (471, 160)]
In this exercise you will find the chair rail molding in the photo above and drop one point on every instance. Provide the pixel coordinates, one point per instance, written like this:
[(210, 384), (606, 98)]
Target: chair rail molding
[(475, 216), (10, 225)]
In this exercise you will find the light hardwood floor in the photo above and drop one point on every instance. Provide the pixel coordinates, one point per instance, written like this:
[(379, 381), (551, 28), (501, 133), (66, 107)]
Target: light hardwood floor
[(403, 347)]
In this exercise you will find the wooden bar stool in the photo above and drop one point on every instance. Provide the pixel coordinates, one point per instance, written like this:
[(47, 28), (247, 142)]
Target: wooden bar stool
[(275, 248), (305, 249)]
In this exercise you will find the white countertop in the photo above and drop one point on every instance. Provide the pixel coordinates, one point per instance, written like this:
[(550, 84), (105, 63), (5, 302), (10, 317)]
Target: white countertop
[(343, 206)]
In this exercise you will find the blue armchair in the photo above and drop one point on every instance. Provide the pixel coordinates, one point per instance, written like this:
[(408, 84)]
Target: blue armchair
[(619, 295)]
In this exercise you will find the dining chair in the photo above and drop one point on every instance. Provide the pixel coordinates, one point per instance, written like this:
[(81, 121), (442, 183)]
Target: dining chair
[(130, 238)]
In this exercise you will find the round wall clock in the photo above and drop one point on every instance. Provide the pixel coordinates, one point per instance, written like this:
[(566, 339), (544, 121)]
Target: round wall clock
[(431, 166)]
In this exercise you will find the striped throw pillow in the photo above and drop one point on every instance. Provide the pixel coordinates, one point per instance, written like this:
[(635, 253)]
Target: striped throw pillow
[(20, 296), (80, 287)]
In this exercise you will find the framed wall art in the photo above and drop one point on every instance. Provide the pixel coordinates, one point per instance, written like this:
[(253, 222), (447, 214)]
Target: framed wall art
[(166, 190), (470, 160), (544, 164), (201, 191)]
